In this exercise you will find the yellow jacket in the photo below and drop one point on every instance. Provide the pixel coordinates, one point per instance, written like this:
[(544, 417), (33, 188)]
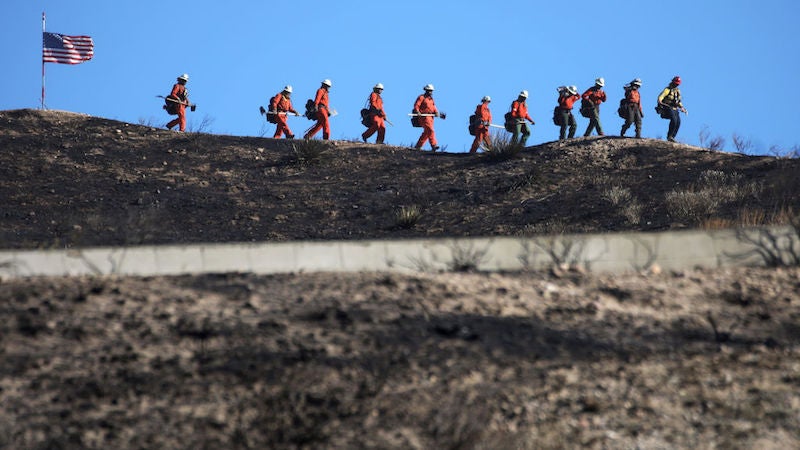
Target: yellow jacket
[(671, 97)]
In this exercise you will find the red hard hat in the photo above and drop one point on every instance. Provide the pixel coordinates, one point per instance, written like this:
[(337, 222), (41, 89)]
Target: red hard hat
[(676, 80)]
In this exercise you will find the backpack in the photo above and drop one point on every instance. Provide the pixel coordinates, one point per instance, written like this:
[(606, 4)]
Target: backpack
[(415, 122), (474, 121), (622, 111), (365, 117), (663, 111), (311, 110), (557, 116), (587, 108), (510, 123), (272, 117), (171, 105)]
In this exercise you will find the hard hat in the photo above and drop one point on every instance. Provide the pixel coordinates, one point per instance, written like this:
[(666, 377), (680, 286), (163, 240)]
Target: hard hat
[(573, 90), (486, 98), (184, 77), (600, 82), (676, 80), (523, 93), (637, 82), (378, 86), (327, 82), (428, 87), (287, 88)]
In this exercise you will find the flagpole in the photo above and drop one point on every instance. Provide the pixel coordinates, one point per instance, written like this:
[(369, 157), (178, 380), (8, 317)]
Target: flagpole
[(43, 31)]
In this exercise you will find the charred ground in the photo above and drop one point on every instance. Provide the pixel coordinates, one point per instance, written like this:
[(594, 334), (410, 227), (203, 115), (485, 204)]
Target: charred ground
[(690, 359), (71, 180)]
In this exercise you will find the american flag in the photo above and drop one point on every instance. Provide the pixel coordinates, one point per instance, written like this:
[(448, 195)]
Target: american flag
[(63, 49)]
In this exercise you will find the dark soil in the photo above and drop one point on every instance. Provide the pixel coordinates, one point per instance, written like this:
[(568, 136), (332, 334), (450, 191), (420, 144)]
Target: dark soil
[(71, 180), (561, 360)]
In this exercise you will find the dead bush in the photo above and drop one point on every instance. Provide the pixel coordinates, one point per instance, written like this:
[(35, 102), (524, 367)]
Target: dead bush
[(621, 197), (713, 189), (309, 152), (407, 216), (503, 148), (617, 195)]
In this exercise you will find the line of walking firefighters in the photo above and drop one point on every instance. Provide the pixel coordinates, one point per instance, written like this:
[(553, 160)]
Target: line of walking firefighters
[(424, 111)]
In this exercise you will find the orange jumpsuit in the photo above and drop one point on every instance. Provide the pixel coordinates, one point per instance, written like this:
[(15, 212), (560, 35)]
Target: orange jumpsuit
[(321, 103), (281, 105), (426, 105), (179, 92), (482, 131), (378, 116)]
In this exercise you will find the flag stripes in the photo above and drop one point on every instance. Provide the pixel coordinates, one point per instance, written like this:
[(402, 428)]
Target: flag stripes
[(63, 49)]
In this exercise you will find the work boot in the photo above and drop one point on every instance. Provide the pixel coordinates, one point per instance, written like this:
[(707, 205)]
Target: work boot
[(363, 138), (434, 148), (289, 136)]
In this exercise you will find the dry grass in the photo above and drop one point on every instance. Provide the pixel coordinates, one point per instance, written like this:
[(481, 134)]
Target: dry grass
[(309, 152), (407, 216), (713, 189), (623, 199), (502, 148)]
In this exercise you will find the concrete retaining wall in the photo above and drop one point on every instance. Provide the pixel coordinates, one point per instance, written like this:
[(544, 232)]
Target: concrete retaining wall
[(615, 252)]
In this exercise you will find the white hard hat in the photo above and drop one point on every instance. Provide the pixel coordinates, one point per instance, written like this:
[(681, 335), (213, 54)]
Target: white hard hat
[(523, 93), (184, 77), (287, 88), (378, 86), (486, 98), (637, 82), (600, 82), (428, 87), (327, 82), (573, 89)]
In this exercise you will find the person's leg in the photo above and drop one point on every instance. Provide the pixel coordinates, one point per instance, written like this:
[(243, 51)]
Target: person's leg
[(564, 120), (526, 133), (324, 120), (596, 118), (638, 122), (517, 128), (381, 131), (476, 142), (674, 124), (573, 124)]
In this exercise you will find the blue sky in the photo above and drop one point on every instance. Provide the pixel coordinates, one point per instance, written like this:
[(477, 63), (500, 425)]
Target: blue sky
[(739, 61)]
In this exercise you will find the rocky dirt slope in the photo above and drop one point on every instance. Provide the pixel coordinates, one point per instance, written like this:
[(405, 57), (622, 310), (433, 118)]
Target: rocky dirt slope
[(691, 359), (72, 180)]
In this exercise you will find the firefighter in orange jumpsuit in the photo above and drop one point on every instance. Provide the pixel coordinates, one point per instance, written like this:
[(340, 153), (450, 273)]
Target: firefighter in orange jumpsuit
[(180, 94), (323, 112), (426, 105), (377, 116), (484, 115), (280, 105)]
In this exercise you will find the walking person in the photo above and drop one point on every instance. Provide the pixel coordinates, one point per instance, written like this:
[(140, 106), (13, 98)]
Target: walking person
[(483, 117), (633, 108), (377, 116), (567, 96), (425, 105), (279, 106), (595, 95), (323, 112), (670, 99), (519, 114), (179, 96)]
